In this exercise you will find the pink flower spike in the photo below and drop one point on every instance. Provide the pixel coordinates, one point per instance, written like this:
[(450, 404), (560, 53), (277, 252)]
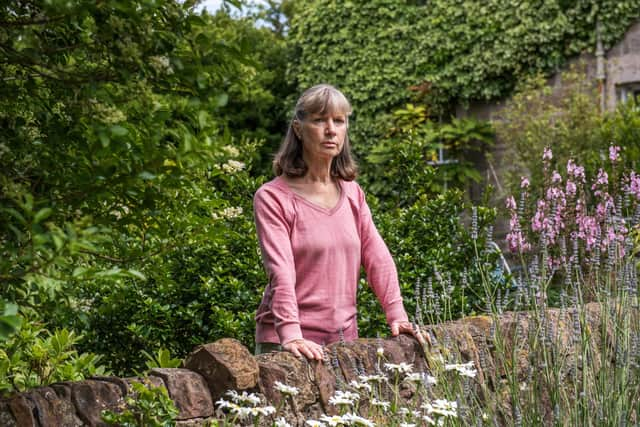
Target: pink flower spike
[(547, 154), (524, 182), (634, 185), (556, 178), (614, 153), (511, 203), (575, 171), (603, 178)]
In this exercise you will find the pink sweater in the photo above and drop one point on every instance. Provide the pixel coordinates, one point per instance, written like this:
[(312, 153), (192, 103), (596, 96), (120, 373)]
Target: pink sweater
[(312, 256)]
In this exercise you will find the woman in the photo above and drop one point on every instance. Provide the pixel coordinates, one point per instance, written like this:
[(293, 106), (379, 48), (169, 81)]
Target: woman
[(315, 231)]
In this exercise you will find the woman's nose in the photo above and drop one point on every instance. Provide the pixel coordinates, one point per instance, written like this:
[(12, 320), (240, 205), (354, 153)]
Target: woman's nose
[(331, 127)]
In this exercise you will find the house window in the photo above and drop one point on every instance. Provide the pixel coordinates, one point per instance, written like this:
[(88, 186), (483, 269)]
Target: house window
[(442, 158), (629, 91)]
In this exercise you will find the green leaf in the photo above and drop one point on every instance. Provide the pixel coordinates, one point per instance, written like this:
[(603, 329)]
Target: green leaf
[(136, 274), (117, 130), (42, 214), (147, 176), (10, 321), (17, 215), (203, 118), (221, 100), (57, 241), (104, 139)]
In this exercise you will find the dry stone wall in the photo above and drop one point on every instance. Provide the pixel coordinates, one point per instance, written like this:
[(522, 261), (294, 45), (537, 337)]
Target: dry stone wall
[(212, 369)]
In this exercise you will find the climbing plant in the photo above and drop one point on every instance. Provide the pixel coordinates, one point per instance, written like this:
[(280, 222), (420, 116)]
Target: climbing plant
[(459, 50)]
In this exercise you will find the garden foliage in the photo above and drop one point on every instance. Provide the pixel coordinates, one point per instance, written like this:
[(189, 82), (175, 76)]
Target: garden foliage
[(448, 51), (569, 119), (431, 246), (133, 135), (116, 172), (419, 157), (148, 406)]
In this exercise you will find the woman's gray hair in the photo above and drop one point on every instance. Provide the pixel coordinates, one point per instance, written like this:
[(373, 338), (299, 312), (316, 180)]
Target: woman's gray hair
[(320, 99)]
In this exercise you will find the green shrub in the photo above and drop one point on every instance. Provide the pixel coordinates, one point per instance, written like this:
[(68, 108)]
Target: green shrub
[(430, 244), (201, 290), (114, 162), (406, 163), (149, 407), (34, 357)]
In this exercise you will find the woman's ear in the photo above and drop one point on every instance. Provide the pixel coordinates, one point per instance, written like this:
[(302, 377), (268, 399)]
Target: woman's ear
[(297, 128)]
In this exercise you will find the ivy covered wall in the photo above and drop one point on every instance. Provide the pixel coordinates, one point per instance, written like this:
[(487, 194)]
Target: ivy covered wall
[(462, 49)]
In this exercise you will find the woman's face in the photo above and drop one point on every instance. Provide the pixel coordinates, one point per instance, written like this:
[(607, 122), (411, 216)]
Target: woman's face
[(322, 135)]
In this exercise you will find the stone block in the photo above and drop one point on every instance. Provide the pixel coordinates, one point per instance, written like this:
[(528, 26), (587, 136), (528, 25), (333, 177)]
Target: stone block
[(287, 369), (23, 411), (91, 397), (6, 416), (225, 364), (52, 409), (188, 390)]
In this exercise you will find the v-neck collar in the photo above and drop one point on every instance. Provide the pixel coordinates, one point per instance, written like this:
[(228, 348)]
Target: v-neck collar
[(329, 211)]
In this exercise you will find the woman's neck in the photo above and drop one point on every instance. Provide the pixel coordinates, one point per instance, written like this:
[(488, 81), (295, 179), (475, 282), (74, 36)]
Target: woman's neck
[(318, 172)]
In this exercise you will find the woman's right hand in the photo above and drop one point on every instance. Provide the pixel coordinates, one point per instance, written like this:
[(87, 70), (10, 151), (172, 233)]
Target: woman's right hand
[(306, 348)]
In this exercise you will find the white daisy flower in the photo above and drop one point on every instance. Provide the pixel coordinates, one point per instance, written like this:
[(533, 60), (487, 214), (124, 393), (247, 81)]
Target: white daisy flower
[(372, 378), (400, 368), (414, 377), (360, 386), (281, 422), (334, 420), (356, 420), (381, 404), (427, 419), (456, 366), (286, 389)]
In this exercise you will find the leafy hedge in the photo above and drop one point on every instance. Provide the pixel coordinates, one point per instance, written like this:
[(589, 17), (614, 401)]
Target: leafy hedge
[(117, 174), (430, 243)]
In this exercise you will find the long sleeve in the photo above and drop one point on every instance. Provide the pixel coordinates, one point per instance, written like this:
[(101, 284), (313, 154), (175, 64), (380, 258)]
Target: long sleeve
[(379, 266), (277, 255)]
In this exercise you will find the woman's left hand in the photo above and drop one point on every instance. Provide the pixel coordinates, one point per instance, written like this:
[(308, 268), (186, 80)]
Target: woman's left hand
[(405, 327)]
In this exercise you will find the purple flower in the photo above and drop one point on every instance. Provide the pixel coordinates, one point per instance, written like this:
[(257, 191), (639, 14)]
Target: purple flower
[(517, 242), (511, 203), (603, 206), (556, 178), (634, 185), (524, 182), (575, 171), (614, 153), (547, 154), (588, 230), (539, 217), (571, 188), (602, 179), (515, 237), (553, 193)]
